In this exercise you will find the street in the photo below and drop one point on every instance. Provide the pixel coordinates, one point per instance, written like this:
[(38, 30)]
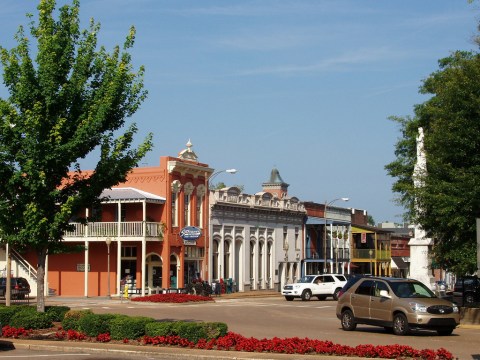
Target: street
[(274, 317)]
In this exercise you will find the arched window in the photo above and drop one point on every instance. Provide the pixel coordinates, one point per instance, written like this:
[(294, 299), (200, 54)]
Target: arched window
[(252, 259), (215, 260), (226, 259)]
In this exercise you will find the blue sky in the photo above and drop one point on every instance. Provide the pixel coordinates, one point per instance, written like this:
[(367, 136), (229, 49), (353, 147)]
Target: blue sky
[(303, 86)]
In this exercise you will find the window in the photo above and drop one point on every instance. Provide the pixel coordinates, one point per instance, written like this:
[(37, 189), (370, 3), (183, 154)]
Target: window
[(199, 215), (123, 213), (129, 251), (174, 209), (186, 201), (297, 245), (285, 238), (380, 286), (365, 288)]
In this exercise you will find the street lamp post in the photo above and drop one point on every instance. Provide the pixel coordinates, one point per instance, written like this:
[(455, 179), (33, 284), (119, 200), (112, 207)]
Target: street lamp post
[(230, 171), (108, 241), (325, 231)]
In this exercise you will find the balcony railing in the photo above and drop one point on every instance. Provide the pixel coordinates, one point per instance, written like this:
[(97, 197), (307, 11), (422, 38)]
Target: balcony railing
[(376, 254), (114, 229)]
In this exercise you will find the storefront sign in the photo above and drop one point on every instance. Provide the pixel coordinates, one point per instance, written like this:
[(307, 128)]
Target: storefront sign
[(190, 234), (81, 267)]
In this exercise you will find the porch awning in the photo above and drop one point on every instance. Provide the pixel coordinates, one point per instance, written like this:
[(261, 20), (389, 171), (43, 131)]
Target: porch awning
[(313, 220), (399, 263), (129, 194)]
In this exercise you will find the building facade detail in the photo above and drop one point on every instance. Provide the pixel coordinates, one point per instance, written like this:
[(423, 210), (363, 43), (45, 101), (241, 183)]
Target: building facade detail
[(255, 238)]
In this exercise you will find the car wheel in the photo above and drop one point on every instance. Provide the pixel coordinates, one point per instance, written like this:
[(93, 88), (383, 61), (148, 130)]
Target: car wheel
[(400, 325), (289, 298), (335, 294), (469, 299), (445, 332), (306, 295), (348, 321)]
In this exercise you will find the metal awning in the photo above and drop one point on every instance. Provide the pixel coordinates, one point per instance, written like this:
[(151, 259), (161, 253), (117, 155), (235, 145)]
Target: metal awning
[(129, 194), (313, 220), (399, 263)]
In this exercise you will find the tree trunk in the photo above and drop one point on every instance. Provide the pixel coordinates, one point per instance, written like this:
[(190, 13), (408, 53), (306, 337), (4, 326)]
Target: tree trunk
[(42, 256)]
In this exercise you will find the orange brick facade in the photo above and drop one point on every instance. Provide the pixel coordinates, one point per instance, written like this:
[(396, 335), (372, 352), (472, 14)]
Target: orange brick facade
[(183, 184)]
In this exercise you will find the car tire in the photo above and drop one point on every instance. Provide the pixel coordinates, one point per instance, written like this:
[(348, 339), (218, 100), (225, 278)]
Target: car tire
[(445, 332), (289, 298), (400, 325), (306, 295), (335, 293), (469, 299), (348, 321)]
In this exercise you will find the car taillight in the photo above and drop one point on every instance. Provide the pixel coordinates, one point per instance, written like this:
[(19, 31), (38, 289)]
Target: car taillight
[(17, 287), (340, 293)]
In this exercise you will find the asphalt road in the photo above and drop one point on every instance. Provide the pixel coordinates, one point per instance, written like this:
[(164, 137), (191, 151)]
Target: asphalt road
[(274, 317)]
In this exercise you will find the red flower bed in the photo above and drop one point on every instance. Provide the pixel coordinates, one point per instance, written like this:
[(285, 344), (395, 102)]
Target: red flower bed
[(172, 298), (236, 342)]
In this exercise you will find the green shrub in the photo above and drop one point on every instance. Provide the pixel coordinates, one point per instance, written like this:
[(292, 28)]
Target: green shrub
[(214, 330), (187, 330), (71, 318), (129, 327), (94, 324), (31, 320), (190, 331), (6, 313), (163, 328), (56, 313)]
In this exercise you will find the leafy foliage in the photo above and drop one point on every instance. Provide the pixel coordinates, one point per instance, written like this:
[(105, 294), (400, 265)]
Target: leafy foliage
[(448, 202), (67, 102)]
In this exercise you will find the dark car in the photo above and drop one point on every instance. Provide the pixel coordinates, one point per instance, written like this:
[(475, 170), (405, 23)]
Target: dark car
[(467, 290), (20, 288)]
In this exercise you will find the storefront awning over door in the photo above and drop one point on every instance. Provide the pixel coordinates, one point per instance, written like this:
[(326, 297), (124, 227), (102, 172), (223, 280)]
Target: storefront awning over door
[(399, 263)]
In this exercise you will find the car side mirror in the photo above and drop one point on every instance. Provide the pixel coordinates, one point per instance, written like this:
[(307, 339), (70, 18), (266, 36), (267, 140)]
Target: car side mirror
[(384, 293)]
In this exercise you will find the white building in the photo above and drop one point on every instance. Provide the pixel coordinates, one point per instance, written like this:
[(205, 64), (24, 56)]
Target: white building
[(256, 240)]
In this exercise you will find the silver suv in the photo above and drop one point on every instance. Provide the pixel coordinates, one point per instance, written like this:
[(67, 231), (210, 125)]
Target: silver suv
[(320, 286), (396, 304)]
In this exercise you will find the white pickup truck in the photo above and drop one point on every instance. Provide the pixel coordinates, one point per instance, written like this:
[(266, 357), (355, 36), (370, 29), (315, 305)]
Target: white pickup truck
[(320, 286)]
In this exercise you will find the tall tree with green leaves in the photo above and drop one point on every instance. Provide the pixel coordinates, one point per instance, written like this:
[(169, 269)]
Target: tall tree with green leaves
[(69, 100), (448, 202)]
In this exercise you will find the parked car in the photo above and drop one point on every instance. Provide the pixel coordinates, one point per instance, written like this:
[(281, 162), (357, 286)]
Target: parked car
[(19, 287), (467, 290), (321, 286), (352, 279), (396, 304)]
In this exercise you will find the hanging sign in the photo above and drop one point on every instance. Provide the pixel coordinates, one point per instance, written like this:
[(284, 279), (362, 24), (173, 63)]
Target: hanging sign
[(190, 234)]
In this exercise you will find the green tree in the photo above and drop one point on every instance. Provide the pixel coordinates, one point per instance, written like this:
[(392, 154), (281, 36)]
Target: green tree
[(448, 202), (69, 101)]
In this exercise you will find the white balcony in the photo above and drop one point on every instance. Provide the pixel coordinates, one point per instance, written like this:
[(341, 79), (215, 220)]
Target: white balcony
[(127, 230)]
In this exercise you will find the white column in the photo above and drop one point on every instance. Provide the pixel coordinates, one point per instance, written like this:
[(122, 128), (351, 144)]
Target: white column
[(144, 246), (46, 288), (221, 254), (85, 273), (119, 265)]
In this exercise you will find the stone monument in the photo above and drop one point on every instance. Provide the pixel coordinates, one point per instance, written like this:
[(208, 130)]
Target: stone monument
[(420, 245)]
